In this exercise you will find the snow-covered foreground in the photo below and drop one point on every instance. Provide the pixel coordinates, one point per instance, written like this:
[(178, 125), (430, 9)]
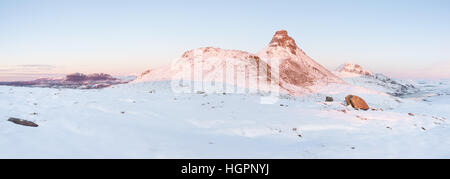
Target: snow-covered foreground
[(129, 121)]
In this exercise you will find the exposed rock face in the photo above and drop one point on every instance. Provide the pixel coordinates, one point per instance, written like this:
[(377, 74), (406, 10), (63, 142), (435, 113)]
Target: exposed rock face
[(397, 88), (22, 122), (357, 102), (282, 39), (357, 75)]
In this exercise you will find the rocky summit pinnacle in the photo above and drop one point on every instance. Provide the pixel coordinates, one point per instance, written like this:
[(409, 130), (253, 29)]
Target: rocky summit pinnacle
[(296, 69), (282, 39)]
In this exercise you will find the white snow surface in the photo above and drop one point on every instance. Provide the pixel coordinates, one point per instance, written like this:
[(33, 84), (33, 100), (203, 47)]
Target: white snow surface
[(129, 121)]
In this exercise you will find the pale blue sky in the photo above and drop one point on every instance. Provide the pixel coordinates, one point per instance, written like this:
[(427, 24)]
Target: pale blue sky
[(402, 38)]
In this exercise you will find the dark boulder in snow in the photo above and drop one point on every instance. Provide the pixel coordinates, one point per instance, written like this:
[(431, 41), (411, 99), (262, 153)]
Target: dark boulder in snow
[(22, 122), (329, 99), (357, 102)]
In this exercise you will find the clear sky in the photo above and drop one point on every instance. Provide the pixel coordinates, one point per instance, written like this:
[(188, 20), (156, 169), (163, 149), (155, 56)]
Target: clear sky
[(402, 38)]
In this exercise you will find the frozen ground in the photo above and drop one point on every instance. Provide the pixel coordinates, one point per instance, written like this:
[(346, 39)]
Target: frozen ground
[(127, 121)]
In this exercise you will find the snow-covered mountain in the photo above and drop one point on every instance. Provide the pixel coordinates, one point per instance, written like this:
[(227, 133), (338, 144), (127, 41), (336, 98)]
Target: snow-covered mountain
[(356, 75), (296, 74), (213, 64), (296, 68), (350, 69)]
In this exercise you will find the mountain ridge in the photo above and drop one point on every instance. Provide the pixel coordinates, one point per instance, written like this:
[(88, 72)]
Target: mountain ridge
[(298, 73)]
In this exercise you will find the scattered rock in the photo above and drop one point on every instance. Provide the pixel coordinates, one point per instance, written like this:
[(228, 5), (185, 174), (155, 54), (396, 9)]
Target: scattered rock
[(294, 129), (411, 114), (353, 148), (362, 118), (357, 102), (443, 119), (329, 99), (389, 127), (200, 92), (22, 122), (344, 111), (34, 114), (123, 112), (423, 128)]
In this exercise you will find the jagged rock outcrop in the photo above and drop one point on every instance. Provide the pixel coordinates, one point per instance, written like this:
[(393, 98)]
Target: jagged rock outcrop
[(354, 69), (357, 75)]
